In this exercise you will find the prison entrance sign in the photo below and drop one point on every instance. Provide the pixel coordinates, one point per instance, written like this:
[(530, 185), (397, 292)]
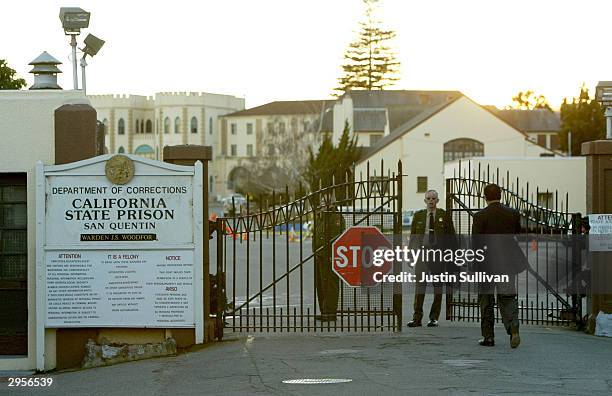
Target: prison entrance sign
[(119, 244)]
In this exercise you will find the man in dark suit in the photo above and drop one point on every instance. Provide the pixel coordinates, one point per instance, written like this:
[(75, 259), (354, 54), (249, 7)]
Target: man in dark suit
[(431, 228), (493, 229)]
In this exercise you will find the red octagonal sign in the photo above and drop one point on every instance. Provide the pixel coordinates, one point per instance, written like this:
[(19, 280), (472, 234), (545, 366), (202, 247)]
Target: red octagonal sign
[(353, 255)]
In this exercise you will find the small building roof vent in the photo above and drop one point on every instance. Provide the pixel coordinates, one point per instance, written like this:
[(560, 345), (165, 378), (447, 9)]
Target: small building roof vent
[(45, 72)]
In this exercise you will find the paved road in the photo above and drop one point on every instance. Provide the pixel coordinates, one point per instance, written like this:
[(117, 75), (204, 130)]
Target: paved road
[(445, 360)]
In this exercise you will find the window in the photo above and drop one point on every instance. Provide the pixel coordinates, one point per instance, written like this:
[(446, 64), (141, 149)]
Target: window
[(421, 184), (546, 200), (233, 128), (375, 138), (194, 125), (270, 149), (249, 129), (542, 140), (211, 184), (149, 126), (145, 151), (306, 125), (281, 127), (14, 258), (105, 122), (137, 129), (234, 150), (167, 125), (249, 150), (121, 127), (270, 127), (141, 126), (121, 150), (177, 125), (555, 144), (210, 126), (462, 148)]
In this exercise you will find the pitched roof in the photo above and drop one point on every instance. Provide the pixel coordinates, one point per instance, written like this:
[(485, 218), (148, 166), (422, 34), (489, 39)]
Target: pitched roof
[(286, 108), (539, 120)]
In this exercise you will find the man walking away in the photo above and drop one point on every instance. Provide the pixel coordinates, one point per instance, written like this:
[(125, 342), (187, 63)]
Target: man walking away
[(493, 230)]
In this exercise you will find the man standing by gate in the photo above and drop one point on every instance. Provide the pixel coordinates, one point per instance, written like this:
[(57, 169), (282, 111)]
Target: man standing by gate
[(431, 228), (493, 229), (328, 225)]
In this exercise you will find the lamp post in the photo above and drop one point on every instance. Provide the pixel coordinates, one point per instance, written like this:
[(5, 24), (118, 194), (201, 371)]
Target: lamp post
[(73, 20), (603, 94), (92, 46)]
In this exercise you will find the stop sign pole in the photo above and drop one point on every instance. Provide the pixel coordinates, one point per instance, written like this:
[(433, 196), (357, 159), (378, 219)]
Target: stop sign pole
[(353, 255)]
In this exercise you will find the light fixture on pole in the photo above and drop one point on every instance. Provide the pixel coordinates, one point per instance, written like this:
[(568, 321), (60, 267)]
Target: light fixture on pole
[(92, 46), (603, 94), (73, 20)]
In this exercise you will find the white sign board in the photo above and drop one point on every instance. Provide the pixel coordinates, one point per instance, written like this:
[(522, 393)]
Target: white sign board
[(119, 255), (600, 234)]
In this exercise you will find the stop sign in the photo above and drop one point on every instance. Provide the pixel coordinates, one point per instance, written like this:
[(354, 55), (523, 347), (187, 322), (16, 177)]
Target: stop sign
[(353, 255)]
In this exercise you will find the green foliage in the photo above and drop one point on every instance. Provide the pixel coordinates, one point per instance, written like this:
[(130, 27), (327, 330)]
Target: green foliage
[(370, 63), (333, 165), (528, 100), (8, 79), (584, 117)]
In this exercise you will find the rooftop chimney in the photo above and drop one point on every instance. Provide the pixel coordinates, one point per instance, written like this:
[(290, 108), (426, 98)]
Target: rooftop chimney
[(45, 72)]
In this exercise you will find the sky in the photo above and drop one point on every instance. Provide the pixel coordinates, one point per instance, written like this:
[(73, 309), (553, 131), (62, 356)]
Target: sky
[(292, 50)]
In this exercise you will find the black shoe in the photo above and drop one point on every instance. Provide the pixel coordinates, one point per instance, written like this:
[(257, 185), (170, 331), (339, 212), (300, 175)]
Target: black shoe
[(414, 323), (432, 323), (486, 342)]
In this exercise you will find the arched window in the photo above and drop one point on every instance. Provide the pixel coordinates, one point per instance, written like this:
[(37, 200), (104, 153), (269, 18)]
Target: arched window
[(121, 150), (210, 126), (462, 148), (211, 184), (194, 125), (149, 126), (177, 125), (137, 127), (167, 125), (145, 151), (105, 122), (121, 127)]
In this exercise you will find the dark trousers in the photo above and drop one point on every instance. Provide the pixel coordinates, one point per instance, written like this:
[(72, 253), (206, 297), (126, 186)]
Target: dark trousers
[(421, 288), (506, 301), (328, 287)]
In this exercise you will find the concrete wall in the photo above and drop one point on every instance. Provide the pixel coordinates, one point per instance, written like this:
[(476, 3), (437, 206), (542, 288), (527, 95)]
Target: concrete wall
[(422, 148), (28, 131)]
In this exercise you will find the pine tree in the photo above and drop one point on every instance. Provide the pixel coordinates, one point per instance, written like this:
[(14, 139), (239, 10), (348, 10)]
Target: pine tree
[(370, 63)]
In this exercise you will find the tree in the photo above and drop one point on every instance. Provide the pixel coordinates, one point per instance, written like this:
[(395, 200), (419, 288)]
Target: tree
[(528, 100), (283, 158), (370, 63), (584, 118), (8, 79), (332, 164)]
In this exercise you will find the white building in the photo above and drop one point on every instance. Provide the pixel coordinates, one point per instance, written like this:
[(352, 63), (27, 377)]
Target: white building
[(443, 131), (540, 125), (248, 133), (144, 125)]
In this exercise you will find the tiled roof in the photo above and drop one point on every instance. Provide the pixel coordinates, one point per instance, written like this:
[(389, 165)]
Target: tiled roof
[(540, 120), (286, 108)]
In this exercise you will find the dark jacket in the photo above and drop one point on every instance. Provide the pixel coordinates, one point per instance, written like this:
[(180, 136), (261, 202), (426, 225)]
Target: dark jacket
[(444, 230), (495, 227)]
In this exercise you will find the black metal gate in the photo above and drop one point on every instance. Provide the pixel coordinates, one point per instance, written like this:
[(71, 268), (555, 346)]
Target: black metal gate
[(549, 291), (265, 259)]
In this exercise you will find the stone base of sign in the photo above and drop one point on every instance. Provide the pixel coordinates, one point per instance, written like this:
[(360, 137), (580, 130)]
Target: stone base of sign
[(106, 354)]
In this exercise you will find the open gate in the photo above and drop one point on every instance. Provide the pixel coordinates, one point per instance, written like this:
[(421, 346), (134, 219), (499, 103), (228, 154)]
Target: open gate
[(265, 259), (550, 291)]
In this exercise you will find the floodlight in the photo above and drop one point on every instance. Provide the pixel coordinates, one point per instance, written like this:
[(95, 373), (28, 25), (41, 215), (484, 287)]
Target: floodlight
[(73, 19), (92, 45)]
